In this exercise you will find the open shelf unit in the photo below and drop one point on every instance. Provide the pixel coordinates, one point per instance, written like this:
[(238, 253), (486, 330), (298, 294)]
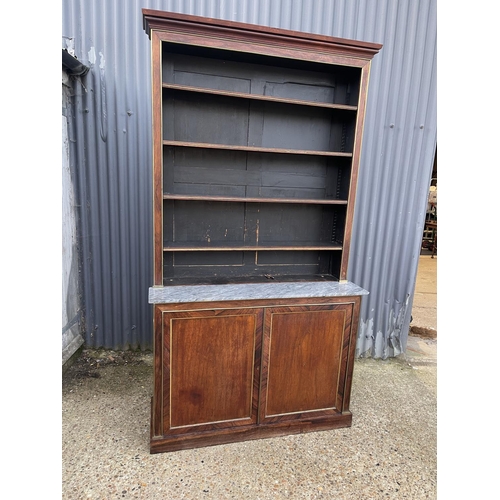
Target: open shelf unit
[(257, 160)]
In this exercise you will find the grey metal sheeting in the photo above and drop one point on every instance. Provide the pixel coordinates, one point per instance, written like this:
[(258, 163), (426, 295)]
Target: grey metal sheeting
[(111, 141)]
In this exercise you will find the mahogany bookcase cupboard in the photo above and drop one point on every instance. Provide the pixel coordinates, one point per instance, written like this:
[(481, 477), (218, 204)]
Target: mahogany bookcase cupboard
[(256, 145)]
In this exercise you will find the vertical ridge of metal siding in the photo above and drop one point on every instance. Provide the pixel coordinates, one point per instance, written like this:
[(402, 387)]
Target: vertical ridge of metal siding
[(386, 240), (112, 141), (112, 146)]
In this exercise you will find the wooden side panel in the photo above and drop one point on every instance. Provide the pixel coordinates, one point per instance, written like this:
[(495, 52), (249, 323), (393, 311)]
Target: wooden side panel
[(303, 361), (157, 405), (157, 159), (211, 364), (350, 337), (355, 168)]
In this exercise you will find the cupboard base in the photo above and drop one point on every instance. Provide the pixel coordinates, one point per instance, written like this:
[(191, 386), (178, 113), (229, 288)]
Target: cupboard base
[(161, 444), (251, 368)]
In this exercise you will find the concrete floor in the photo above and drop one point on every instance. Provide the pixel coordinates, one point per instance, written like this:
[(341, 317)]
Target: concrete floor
[(388, 453), (424, 310), (422, 341)]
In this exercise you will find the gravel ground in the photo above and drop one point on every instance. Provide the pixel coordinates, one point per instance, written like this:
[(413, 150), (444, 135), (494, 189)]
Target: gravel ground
[(388, 453)]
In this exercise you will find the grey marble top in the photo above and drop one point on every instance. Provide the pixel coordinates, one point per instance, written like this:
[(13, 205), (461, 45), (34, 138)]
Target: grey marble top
[(252, 291)]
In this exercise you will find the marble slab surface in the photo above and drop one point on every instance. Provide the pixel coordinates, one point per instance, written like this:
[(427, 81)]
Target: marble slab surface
[(252, 291)]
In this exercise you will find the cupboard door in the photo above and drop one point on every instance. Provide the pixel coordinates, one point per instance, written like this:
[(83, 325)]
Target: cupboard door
[(305, 361), (211, 363)]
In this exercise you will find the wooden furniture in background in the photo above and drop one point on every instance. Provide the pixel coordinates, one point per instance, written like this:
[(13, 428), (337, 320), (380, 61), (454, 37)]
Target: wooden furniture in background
[(431, 227)]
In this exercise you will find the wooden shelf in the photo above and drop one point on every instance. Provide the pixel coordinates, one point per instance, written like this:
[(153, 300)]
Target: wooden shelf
[(258, 97), (259, 278), (231, 247), (255, 149), (236, 199)]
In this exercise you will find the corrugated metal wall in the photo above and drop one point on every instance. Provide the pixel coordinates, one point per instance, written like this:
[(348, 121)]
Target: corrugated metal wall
[(111, 153)]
